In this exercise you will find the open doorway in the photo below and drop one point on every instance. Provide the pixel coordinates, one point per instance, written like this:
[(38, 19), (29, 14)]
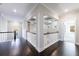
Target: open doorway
[(15, 26), (69, 33)]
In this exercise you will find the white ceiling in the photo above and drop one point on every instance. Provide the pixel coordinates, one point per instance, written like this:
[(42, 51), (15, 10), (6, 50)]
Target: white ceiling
[(22, 9), (59, 8)]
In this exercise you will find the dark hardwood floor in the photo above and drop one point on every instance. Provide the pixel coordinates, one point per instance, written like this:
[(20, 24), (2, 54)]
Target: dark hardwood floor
[(66, 49), (21, 47)]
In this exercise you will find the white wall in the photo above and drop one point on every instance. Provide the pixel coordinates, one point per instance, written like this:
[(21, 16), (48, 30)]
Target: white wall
[(24, 28), (68, 19)]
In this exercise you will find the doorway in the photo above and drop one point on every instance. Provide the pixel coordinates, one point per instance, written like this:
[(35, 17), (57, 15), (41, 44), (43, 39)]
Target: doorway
[(69, 30), (15, 26)]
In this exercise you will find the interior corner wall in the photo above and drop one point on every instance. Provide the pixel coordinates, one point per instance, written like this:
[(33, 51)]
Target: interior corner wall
[(40, 11)]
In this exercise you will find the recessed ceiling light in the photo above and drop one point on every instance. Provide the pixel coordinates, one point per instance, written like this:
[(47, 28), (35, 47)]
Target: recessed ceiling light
[(66, 10), (14, 10)]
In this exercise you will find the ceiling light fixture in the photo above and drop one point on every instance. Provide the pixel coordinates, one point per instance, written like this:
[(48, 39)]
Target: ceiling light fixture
[(14, 10), (66, 10)]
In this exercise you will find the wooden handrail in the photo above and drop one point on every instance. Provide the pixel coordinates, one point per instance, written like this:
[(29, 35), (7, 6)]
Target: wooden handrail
[(51, 33), (31, 32), (6, 32)]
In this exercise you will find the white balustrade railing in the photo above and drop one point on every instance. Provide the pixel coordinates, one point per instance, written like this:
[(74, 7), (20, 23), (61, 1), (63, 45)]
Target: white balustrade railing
[(6, 36)]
